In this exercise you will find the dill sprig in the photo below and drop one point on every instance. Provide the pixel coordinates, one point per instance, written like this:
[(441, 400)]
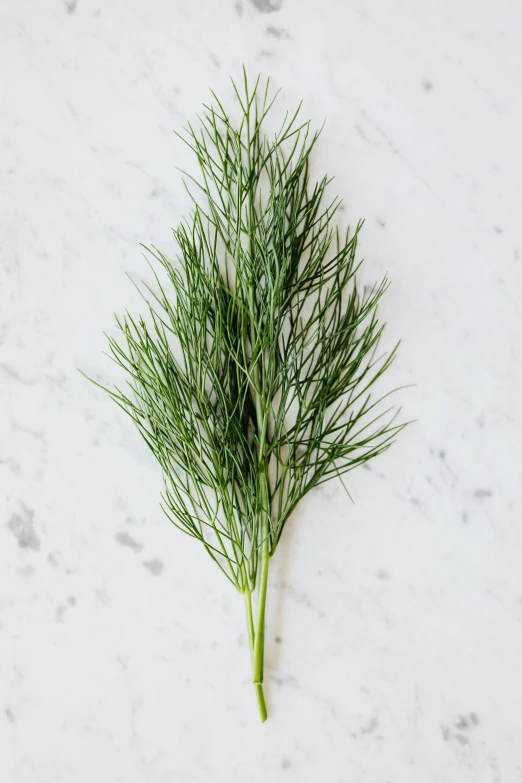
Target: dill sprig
[(250, 377)]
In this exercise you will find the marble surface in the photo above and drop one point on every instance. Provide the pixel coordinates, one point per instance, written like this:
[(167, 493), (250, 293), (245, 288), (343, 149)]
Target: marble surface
[(394, 630)]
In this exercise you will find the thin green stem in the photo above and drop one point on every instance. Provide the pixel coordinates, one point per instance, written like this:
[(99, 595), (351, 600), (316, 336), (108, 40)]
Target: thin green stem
[(250, 622), (259, 642), (261, 702), (251, 639), (259, 638), (261, 420)]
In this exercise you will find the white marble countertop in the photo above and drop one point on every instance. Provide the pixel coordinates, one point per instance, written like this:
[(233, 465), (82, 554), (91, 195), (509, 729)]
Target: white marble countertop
[(394, 629)]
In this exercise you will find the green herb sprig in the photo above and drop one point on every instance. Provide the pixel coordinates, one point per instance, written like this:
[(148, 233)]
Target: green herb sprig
[(250, 379)]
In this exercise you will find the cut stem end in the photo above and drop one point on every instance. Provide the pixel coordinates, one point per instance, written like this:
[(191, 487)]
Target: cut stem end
[(261, 701)]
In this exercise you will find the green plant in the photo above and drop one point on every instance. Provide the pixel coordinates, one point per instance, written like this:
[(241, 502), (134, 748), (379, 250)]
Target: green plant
[(250, 377)]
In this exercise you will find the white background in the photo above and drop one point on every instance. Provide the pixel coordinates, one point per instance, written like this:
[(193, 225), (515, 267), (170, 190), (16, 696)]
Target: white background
[(398, 619)]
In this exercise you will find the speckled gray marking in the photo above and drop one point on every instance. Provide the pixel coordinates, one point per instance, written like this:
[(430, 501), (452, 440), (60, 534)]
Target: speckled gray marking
[(483, 493), (427, 85), (277, 32), (154, 566), (21, 526), (70, 6), (466, 722), (372, 725), (127, 540), (461, 739), (382, 574), (267, 6), (285, 764), (9, 715), (238, 8)]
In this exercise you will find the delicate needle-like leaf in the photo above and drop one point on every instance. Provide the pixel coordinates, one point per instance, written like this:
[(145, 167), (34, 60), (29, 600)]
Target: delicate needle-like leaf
[(251, 379)]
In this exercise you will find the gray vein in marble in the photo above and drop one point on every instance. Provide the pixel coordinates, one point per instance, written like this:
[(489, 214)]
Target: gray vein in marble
[(301, 597), (11, 372)]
